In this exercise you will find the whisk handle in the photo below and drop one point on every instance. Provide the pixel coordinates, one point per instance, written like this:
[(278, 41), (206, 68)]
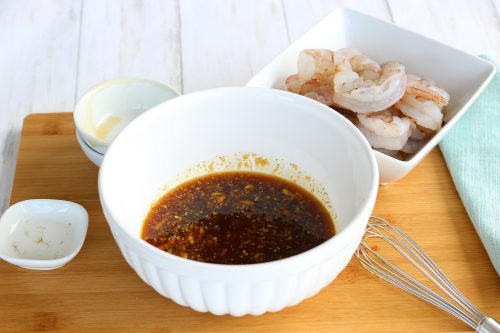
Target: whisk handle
[(488, 325)]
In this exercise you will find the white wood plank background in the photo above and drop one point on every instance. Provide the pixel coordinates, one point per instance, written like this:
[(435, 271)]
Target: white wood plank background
[(53, 51)]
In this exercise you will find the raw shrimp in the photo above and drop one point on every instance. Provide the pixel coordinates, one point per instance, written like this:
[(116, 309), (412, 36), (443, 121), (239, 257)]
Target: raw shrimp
[(423, 102), (315, 64), (314, 89), (361, 64), (361, 95), (385, 129), (427, 89), (314, 78), (416, 140), (424, 112), (293, 83)]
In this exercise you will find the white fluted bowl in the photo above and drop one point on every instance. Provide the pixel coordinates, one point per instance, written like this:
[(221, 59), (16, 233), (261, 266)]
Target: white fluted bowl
[(178, 134)]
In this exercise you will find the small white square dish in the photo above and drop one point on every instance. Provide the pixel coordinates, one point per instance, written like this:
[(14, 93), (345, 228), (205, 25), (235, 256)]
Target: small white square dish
[(462, 75), (42, 234)]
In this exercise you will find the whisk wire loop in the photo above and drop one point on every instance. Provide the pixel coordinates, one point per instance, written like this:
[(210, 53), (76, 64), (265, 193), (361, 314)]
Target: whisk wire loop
[(406, 282), (456, 304)]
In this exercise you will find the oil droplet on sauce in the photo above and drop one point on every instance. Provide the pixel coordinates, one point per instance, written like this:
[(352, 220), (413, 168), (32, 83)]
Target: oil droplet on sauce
[(261, 162)]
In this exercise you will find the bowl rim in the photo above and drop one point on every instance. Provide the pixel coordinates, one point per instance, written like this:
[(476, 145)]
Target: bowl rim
[(366, 206), (422, 152), (86, 146), (111, 82)]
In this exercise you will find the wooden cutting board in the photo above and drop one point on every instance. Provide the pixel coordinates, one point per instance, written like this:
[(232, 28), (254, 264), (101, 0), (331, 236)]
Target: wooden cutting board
[(98, 291)]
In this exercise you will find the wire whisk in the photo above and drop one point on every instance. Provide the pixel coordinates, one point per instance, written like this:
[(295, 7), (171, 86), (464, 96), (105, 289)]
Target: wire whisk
[(454, 302)]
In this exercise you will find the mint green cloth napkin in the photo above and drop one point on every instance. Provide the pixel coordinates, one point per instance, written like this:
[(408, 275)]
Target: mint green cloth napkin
[(472, 152)]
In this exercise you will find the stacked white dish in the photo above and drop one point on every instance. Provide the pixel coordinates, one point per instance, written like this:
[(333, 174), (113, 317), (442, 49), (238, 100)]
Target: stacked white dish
[(107, 108)]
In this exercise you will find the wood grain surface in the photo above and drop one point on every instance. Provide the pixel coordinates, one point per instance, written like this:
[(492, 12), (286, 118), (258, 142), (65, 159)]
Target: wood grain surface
[(54, 51), (99, 292)]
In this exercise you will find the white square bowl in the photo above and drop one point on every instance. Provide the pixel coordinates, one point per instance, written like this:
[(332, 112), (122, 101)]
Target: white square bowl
[(463, 75)]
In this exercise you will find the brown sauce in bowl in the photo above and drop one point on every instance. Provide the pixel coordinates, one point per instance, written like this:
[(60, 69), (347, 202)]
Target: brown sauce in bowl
[(237, 218)]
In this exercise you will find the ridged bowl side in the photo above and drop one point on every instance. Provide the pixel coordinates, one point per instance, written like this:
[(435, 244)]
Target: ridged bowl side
[(236, 299)]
